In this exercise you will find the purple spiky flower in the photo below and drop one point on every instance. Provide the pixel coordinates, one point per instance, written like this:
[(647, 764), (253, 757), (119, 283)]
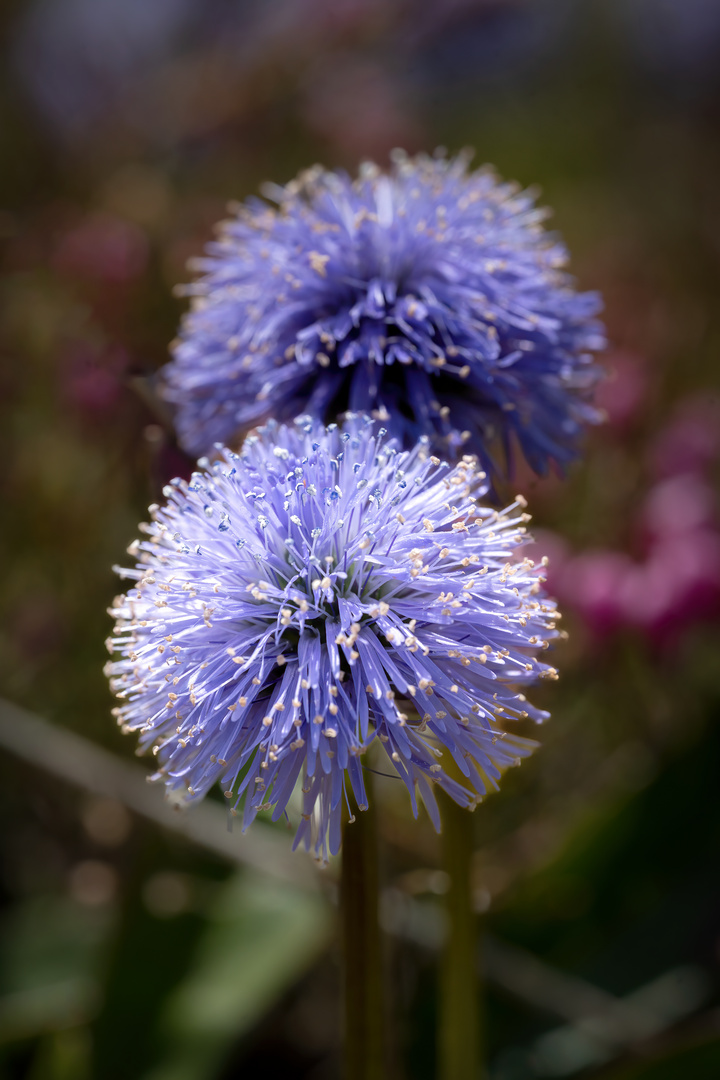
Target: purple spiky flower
[(431, 297), (320, 592)]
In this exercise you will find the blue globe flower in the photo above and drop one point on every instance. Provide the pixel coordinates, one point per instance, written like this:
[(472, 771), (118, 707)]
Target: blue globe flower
[(431, 297), (322, 592)]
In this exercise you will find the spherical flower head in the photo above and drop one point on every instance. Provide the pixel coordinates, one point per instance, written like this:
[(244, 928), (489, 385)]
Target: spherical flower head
[(319, 593), (431, 297)]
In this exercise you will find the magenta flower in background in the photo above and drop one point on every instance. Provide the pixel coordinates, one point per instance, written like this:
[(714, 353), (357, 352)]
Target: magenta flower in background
[(624, 392), (691, 441), (593, 583), (677, 582)]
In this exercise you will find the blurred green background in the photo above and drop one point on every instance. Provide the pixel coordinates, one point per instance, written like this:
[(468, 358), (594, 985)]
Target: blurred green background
[(127, 949)]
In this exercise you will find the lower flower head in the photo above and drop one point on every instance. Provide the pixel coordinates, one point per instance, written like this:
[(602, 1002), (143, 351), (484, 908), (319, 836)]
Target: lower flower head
[(318, 592)]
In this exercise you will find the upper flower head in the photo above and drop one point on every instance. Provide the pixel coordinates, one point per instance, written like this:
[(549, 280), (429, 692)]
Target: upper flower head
[(430, 296), (318, 592)]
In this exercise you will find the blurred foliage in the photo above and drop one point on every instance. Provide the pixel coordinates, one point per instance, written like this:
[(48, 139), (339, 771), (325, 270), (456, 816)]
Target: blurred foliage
[(125, 128)]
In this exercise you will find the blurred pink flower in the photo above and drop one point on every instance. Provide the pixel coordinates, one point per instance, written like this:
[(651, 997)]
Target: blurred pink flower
[(679, 504), (593, 583), (625, 390), (678, 585), (691, 441)]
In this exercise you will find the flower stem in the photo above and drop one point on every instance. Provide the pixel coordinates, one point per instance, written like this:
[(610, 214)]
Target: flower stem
[(459, 1006), (364, 1007)]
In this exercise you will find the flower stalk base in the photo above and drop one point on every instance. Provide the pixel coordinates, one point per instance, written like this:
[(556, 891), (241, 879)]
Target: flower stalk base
[(364, 1056), (459, 1051)]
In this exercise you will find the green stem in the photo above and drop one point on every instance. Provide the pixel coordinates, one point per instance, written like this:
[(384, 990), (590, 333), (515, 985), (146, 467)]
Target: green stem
[(364, 1007), (459, 1006)]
